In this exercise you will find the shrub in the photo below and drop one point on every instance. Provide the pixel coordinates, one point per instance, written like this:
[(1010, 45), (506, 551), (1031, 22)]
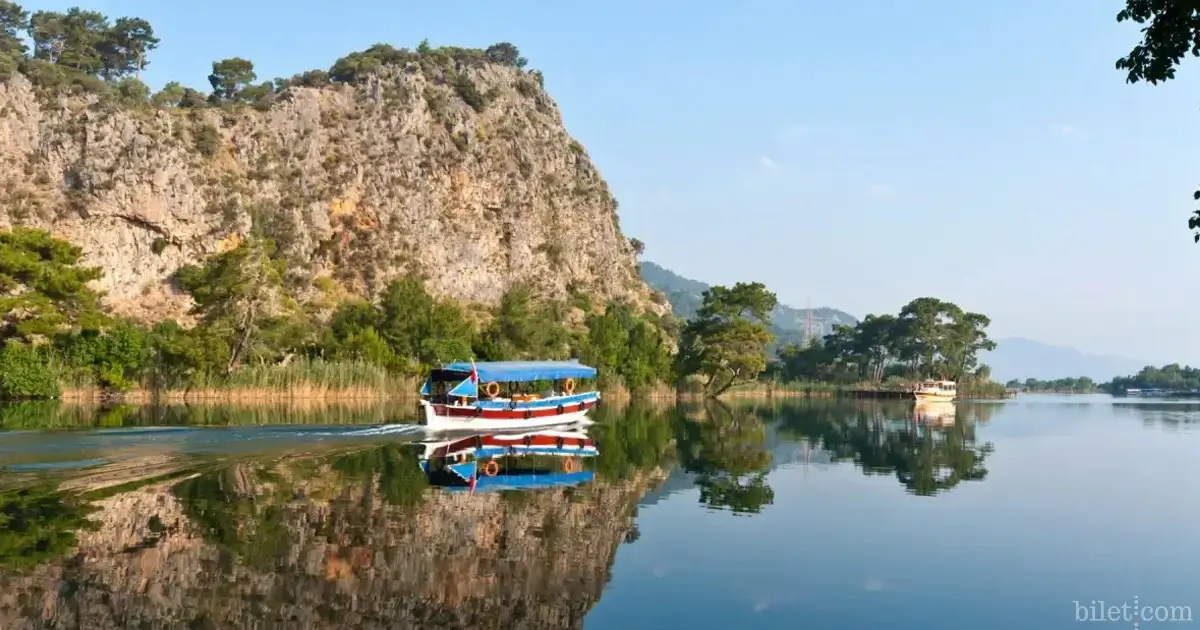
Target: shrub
[(25, 373)]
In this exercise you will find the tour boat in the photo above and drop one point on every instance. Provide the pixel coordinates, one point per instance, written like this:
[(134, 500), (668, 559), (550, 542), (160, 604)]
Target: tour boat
[(499, 395), (935, 391), (498, 461)]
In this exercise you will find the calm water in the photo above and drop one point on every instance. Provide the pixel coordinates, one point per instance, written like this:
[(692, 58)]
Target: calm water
[(802, 514)]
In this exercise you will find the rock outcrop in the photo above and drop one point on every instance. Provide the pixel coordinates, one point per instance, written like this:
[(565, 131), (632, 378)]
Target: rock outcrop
[(357, 183)]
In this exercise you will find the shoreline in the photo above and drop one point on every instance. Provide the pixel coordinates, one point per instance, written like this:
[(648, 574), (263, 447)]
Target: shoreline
[(310, 395)]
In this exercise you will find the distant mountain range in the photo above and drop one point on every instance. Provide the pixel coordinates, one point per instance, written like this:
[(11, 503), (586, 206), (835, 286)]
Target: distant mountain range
[(1014, 357), (1020, 358), (686, 295)]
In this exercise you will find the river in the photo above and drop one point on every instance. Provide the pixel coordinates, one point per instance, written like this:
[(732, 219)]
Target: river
[(1036, 512)]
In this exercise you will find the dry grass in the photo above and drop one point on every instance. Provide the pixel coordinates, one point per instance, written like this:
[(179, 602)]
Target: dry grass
[(304, 395)]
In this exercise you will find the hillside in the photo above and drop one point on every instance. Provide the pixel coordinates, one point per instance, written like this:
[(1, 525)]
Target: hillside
[(685, 296), (452, 163), (1020, 358)]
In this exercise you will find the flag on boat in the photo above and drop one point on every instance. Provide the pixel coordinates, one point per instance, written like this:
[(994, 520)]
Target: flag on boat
[(474, 373)]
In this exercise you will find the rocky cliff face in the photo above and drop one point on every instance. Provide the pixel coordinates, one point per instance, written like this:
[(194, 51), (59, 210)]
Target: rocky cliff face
[(459, 561), (357, 184)]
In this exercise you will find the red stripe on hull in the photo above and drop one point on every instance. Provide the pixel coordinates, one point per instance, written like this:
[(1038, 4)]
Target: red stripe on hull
[(509, 414)]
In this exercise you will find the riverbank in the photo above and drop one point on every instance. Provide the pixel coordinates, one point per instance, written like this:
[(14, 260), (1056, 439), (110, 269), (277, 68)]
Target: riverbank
[(405, 389)]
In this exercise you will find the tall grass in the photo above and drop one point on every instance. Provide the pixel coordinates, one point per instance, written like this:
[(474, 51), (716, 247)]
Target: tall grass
[(301, 379)]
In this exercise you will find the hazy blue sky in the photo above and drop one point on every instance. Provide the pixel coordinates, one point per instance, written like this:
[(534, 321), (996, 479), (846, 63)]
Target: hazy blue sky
[(854, 154)]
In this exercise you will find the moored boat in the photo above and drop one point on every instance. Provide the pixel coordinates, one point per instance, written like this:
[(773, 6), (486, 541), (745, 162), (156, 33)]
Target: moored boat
[(501, 395), (935, 391), (485, 461)]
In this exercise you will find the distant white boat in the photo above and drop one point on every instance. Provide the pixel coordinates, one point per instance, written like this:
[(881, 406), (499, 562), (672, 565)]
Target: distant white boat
[(935, 391)]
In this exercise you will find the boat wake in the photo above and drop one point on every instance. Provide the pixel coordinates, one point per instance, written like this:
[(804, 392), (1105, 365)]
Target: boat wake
[(386, 429)]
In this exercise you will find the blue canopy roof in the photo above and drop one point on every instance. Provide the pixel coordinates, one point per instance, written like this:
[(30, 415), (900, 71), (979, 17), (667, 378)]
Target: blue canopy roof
[(523, 371)]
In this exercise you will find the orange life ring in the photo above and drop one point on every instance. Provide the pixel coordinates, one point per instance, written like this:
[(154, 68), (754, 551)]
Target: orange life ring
[(569, 386), (492, 389), (569, 465), (491, 468)]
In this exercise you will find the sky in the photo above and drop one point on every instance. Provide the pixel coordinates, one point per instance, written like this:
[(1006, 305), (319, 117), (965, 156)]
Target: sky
[(853, 155)]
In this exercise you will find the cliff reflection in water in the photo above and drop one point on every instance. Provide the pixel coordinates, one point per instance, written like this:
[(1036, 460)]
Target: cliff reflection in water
[(353, 536)]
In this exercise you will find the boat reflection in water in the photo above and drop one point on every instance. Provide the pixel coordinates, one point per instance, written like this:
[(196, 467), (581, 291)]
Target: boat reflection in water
[(936, 413), (508, 461)]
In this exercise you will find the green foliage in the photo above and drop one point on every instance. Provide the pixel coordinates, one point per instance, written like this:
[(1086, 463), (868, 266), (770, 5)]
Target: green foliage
[(230, 78), (725, 343), (77, 47), (1172, 32), (207, 140), (393, 468), (115, 358), (929, 338), (43, 291), (727, 453), (927, 461), (252, 332), (626, 349), (505, 53), (239, 296), (25, 372), (630, 440), (222, 505), (39, 523), (466, 90), (131, 91), (1081, 385), (1172, 378), (523, 328), (407, 330)]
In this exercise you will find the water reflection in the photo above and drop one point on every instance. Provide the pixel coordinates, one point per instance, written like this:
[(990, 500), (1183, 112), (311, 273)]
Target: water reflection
[(931, 452), (726, 450), (508, 461), (326, 526)]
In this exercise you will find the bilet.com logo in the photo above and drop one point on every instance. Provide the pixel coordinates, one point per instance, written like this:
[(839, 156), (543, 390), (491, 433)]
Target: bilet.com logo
[(1137, 613)]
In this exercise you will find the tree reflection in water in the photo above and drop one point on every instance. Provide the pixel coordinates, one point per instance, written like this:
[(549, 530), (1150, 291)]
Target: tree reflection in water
[(881, 440), (726, 449)]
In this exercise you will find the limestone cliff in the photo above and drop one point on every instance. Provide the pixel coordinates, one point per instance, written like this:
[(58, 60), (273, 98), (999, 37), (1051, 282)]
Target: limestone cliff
[(537, 560), (357, 182)]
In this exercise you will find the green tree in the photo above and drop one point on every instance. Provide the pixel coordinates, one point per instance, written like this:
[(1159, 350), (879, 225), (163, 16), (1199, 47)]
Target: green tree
[(1171, 32), (626, 349), (13, 20), (124, 48), (238, 293), (171, 95), (71, 40), (115, 357), (43, 290), (180, 356), (523, 328), (505, 53), (727, 340), (25, 372), (420, 329), (965, 338), (230, 78)]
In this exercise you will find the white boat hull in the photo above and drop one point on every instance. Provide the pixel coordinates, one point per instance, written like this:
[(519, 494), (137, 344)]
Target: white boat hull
[(933, 398), (434, 421)]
